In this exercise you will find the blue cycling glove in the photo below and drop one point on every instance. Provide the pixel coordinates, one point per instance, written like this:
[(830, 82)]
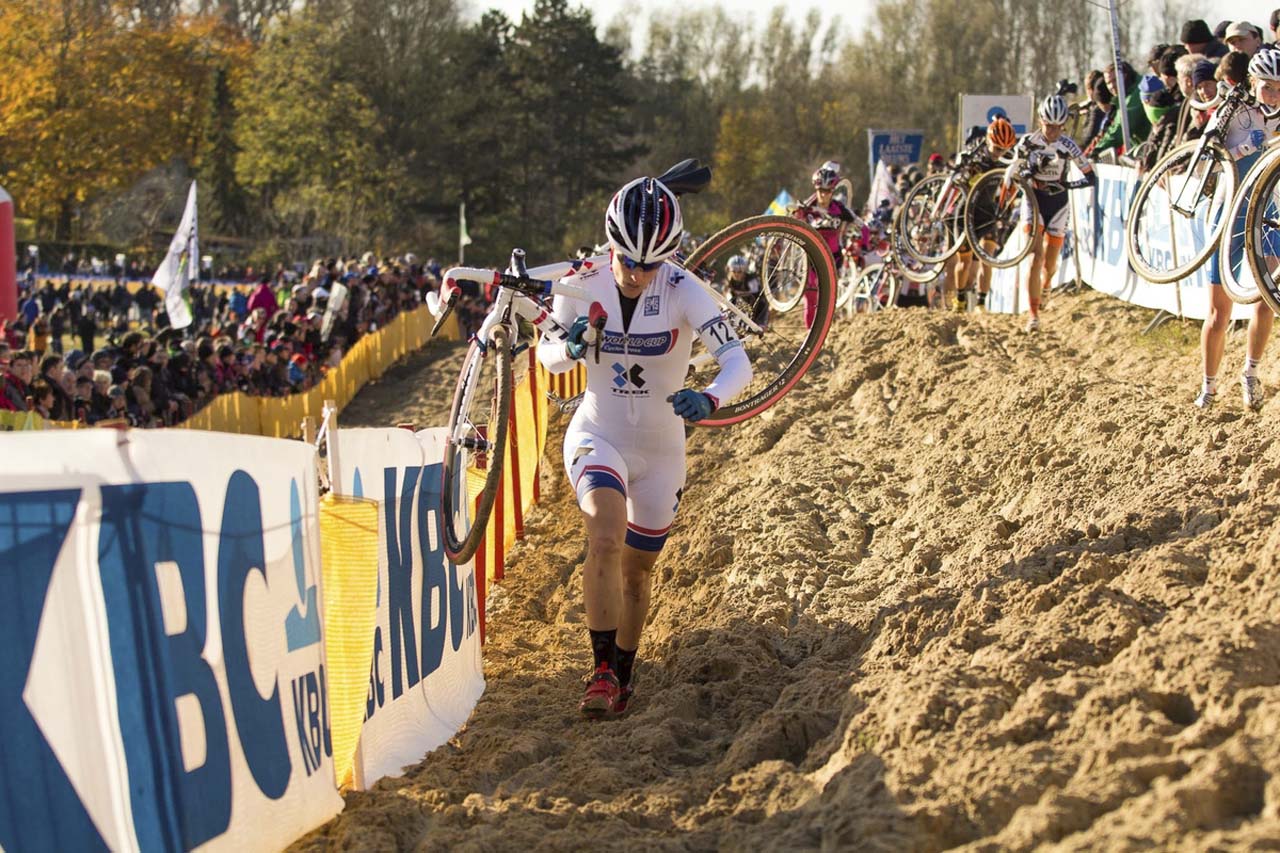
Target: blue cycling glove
[(692, 405), (574, 345)]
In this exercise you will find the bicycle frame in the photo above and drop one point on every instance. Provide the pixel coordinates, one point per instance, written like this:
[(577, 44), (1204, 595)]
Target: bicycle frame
[(1227, 107), (518, 297)]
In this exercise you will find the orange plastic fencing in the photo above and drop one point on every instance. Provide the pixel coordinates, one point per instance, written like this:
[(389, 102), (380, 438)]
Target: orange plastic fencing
[(522, 468)]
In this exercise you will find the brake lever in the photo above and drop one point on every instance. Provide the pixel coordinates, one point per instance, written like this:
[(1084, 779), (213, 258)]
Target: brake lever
[(597, 317)]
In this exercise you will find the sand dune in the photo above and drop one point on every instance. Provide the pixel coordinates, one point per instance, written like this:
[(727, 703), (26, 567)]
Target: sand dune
[(965, 588)]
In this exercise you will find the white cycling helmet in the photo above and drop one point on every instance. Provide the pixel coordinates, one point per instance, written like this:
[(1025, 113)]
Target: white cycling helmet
[(737, 264), (643, 221), (1265, 64), (1053, 110)]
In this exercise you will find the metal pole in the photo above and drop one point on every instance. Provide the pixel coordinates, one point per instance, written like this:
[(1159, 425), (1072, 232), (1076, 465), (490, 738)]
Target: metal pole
[(1115, 50)]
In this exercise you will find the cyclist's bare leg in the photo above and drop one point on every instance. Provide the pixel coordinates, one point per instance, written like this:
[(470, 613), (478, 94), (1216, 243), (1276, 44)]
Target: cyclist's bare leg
[(1034, 275), (604, 513), (1213, 334), (1259, 330), (1052, 254), (950, 275), (637, 582)]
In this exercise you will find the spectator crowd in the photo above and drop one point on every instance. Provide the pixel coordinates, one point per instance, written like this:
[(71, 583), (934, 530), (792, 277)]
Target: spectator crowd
[(95, 354)]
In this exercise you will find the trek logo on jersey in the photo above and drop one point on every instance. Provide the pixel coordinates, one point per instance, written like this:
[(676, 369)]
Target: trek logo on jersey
[(624, 377), (657, 343), (651, 303)]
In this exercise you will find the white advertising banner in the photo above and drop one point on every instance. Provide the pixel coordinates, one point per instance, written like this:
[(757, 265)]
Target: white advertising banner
[(426, 675), (1097, 243), (163, 677), (979, 110)]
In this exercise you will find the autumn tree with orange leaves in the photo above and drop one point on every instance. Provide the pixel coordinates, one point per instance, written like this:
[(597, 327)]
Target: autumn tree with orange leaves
[(92, 96)]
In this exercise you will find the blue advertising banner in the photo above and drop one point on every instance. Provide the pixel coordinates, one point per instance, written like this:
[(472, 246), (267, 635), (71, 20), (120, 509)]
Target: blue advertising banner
[(893, 148), (163, 674)]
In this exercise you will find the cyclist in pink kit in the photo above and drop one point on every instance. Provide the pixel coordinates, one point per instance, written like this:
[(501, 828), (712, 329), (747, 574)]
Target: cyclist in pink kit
[(830, 218)]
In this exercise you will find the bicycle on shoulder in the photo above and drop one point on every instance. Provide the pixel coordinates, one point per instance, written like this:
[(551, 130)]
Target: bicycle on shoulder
[(780, 351), (1194, 183)]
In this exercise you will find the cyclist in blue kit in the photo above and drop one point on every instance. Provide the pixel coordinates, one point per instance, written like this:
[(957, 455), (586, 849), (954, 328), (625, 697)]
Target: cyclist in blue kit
[(624, 449)]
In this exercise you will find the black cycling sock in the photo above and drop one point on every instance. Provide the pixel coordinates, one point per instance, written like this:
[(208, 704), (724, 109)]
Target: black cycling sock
[(982, 299), (604, 645), (626, 661)]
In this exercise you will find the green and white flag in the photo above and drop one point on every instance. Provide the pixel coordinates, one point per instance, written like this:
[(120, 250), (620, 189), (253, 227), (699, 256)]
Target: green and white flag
[(464, 239), (180, 265)]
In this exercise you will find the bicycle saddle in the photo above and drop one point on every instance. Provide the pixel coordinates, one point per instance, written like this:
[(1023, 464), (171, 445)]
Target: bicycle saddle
[(686, 177)]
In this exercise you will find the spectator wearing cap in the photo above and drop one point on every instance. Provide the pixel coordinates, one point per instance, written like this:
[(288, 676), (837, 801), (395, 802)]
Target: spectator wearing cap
[(1157, 102), (1244, 37), (1197, 38), (1167, 69), (1139, 124), (936, 163)]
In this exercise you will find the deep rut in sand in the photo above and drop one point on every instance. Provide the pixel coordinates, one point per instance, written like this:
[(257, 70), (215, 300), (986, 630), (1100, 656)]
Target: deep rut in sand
[(964, 587)]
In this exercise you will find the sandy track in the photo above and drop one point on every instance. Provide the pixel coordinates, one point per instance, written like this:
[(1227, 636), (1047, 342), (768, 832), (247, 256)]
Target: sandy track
[(965, 588)]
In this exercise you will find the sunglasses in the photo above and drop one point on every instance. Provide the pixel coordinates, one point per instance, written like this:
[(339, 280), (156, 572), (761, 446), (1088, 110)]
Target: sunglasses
[(636, 265)]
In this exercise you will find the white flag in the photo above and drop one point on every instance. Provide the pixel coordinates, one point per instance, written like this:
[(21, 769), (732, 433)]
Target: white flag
[(464, 239), (882, 189), (182, 262)]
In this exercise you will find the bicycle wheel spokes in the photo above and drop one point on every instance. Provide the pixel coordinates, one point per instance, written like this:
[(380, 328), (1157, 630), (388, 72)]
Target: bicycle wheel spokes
[(1234, 271), (476, 446), (781, 345), (1262, 232), (783, 273), (1180, 211), (999, 220), (930, 225)]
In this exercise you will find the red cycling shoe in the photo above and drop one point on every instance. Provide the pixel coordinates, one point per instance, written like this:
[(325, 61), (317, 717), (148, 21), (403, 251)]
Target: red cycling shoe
[(602, 694)]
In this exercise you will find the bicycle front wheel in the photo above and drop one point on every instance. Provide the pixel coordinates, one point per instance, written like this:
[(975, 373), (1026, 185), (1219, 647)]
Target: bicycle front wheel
[(477, 444), (931, 226), (1000, 219), (783, 271), (1180, 191), (782, 351)]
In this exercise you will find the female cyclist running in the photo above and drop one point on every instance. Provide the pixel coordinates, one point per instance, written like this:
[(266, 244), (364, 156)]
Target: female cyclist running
[(829, 217), (1244, 136), (1050, 151), (624, 449)]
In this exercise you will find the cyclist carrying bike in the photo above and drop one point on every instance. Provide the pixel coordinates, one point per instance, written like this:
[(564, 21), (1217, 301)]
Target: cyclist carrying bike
[(1244, 136), (743, 284), (624, 450), (1049, 151), (985, 151), (829, 217)]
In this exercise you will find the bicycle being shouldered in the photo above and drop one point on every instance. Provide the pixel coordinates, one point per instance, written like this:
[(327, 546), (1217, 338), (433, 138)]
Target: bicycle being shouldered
[(780, 352)]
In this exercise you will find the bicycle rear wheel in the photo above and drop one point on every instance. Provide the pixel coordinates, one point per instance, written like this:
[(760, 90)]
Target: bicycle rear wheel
[(783, 271), (847, 283), (1159, 237), (931, 225), (1262, 232), (476, 446), (781, 353), (1237, 276), (999, 220)]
